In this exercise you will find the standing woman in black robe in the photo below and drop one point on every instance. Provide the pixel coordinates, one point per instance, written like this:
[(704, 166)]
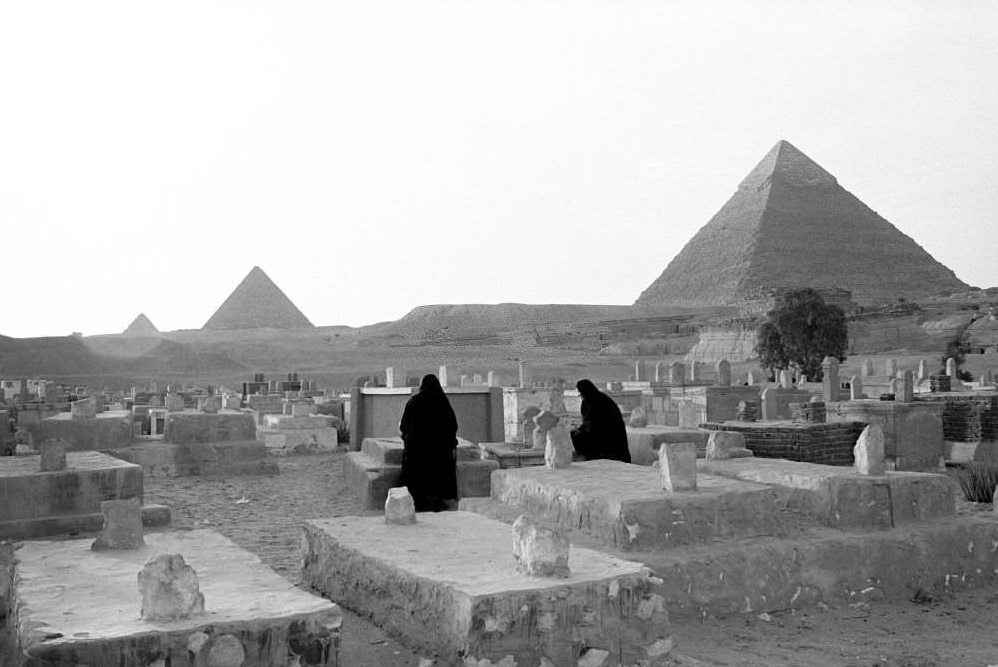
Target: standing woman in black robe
[(429, 431), (602, 434)]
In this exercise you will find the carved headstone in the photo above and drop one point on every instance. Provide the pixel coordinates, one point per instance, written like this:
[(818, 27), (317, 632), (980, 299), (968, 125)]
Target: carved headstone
[(868, 454), (868, 367), (638, 370), (659, 371), (556, 399), (169, 589), (539, 551), (923, 371), (545, 420), (723, 445), (891, 367), (951, 367), (907, 388), (677, 463), (400, 508), (723, 373), (53, 455), (524, 374), (830, 380), (122, 525), (558, 449), (856, 388), (786, 380)]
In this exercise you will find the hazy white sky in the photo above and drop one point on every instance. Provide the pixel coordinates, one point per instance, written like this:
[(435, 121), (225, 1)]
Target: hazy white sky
[(373, 156)]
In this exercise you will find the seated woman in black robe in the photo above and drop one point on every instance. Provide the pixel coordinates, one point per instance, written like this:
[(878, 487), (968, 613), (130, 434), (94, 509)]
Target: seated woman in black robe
[(429, 431), (602, 434)]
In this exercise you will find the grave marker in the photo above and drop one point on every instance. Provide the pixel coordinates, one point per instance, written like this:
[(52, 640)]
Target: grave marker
[(400, 508), (558, 448), (724, 373), (122, 525), (678, 466), (539, 551), (169, 589), (868, 453)]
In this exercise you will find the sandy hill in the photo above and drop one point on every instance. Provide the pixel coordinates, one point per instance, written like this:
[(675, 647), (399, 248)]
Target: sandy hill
[(790, 224)]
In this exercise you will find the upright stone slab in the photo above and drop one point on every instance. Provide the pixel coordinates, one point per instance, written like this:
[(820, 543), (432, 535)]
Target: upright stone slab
[(770, 403), (830, 380), (750, 378), (53, 455), (678, 466), (524, 374), (951, 367), (869, 451), (696, 371), (638, 418), (84, 409), (122, 525), (891, 367), (169, 588), (659, 371), (556, 399), (400, 508), (639, 374), (868, 367), (539, 551), (923, 371), (907, 388), (558, 449), (545, 420), (493, 379), (856, 388), (442, 376), (723, 445), (723, 369), (786, 379), (677, 373)]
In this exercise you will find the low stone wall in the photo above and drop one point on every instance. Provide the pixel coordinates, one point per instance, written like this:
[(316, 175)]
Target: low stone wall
[(188, 427), (967, 417), (108, 430), (829, 444), (913, 432)]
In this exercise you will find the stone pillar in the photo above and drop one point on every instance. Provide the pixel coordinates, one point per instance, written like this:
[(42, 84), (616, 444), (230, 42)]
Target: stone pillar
[(677, 373), (465, 380), (786, 381), (53, 455), (856, 388), (830, 383), (723, 445), (868, 454), (493, 379), (907, 394), (891, 367), (923, 371), (638, 371), (723, 373), (951, 367), (659, 371), (868, 367), (442, 376), (769, 404), (524, 374)]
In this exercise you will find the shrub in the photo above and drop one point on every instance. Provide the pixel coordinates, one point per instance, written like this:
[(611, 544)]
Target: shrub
[(978, 480)]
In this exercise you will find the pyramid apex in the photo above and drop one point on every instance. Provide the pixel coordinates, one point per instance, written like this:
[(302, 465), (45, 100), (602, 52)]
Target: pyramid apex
[(141, 326), (788, 163)]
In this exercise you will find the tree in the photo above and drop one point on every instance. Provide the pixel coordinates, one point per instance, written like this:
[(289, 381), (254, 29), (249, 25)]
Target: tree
[(800, 332)]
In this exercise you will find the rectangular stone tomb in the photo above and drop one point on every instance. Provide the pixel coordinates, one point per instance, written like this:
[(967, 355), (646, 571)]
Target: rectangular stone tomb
[(186, 427), (511, 455), (75, 606), (624, 505), (840, 498), (36, 504), (644, 441), (448, 585), (234, 457), (377, 467)]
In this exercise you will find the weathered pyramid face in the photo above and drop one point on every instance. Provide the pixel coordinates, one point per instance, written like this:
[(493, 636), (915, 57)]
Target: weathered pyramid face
[(141, 327), (257, 303), (790, 224)]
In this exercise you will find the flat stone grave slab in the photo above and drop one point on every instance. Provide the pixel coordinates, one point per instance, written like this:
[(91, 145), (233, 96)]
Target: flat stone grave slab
[(840, 498), (166, 459), (511, 455), (75, 606), (623, 505), (37, 504), (448, 585)]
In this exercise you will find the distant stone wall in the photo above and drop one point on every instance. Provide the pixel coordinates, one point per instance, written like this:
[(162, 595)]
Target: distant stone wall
[(828, 444)]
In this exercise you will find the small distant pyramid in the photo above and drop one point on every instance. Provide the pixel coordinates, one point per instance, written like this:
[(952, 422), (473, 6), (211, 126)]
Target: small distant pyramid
[(257, 303), (789, 225), (141, 327)]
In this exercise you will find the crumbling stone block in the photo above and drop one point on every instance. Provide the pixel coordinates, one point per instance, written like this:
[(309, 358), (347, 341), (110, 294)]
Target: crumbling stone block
[(638, 418), (400, 508), (723, 445), (169, 589), (53, 455), (869, 451), (545, 421), (539, 551), (678, 466), (558, 449), (84, 409), (122, 525)]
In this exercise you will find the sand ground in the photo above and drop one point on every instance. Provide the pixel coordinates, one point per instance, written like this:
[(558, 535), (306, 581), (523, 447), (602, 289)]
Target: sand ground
[(262, 513)]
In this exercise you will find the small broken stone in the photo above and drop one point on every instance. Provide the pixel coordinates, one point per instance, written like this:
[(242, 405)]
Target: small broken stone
[(678, 466), (868, 453), (400, 508), (638, 418), (539, 551), (169, 589), (122, 525), (722, 445)]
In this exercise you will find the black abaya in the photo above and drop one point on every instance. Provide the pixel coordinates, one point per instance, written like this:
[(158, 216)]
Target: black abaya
[(602, 434), (429, 431)]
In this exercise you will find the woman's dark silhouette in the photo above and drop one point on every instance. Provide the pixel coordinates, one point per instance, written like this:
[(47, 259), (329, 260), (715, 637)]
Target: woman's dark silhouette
[(429, 431), (602, 434)]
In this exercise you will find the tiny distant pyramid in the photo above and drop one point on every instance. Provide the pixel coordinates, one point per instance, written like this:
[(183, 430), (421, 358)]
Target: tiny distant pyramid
[(141, 327), (257, 303), (790, 224)]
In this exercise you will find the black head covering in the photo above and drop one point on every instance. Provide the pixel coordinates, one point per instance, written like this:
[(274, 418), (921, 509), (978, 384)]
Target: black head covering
[(430, 385), (586, 388)]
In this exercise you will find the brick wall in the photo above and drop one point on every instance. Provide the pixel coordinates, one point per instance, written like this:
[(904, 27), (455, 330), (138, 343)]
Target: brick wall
[(828, 444), (967, 418)]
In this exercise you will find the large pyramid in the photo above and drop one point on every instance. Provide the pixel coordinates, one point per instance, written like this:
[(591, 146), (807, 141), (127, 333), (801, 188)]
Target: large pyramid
[(141, 327), (257, 303), (790, 224)]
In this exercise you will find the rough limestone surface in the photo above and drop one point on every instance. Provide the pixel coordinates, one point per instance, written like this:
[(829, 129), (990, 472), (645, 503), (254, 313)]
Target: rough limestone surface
[(558, 449), (638, 418), (677, 463), (169, 589), (81, 607), (622, 505), (53, 455), (467, 604), (539, 551), (723, 445), (400, 508), (257, 303), (789, 224), (122, 525), (868, 452)]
